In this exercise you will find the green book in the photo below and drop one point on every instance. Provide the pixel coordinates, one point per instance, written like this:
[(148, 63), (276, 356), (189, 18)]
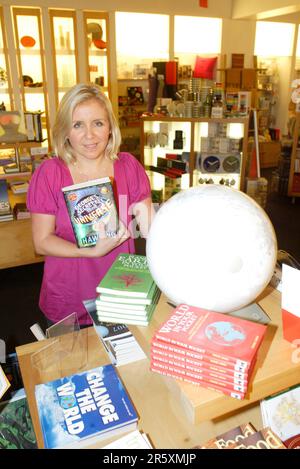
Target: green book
[(128, 276)]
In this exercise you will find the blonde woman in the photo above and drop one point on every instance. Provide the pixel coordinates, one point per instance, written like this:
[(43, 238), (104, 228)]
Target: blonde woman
[(86, 139)]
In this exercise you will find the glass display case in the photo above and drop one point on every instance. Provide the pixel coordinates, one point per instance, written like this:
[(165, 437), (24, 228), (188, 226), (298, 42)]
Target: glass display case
[(96, 34), (64, 48), (179, 153)]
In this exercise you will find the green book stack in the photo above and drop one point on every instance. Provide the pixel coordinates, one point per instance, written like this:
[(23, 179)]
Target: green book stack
[(128, 293)]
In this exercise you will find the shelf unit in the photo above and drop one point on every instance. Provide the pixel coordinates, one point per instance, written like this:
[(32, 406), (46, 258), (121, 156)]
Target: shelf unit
[(214, 150), (16, 235), (294, 174)]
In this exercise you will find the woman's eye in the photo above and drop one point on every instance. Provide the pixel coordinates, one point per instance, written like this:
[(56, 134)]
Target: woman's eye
[(99, 124), (77, 125)]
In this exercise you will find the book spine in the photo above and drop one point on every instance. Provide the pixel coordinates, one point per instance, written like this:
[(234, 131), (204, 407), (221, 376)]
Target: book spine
[(201, 367), (37, 119), (223, 381), (29, 123), (192, 380), (199, 356), (242, 364)]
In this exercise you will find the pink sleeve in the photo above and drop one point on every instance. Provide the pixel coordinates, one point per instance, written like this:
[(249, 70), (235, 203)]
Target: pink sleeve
[(137, 180), (44, 189)]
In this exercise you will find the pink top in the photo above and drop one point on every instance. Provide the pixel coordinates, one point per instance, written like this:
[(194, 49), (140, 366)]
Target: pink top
[(69, 281)]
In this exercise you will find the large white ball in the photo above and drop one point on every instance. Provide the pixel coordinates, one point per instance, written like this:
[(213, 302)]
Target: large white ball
[(212, 247)]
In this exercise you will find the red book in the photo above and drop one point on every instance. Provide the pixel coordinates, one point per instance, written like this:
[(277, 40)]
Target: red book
[(192, 380), (224, 365), (200, 376), (215, 334), (200, 367)]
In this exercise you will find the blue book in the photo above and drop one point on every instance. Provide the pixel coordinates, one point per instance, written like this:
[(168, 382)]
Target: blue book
[(4, 201), (80, 409)]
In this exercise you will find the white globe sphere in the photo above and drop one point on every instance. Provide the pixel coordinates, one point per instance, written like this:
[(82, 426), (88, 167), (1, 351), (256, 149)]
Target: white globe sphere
[(212, 247)]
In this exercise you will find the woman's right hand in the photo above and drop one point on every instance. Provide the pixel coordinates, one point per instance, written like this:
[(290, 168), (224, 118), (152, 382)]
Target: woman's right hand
[(106, 244)]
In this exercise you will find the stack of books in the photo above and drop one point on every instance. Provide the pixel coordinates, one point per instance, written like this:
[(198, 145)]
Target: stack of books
[(206, 348), (128, 293)]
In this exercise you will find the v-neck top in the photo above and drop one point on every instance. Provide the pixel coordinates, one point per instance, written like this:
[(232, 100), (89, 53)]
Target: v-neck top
[(68, 281)]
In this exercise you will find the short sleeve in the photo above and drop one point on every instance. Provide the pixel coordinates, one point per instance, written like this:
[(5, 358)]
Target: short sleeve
[(137, 180), (44, 189)]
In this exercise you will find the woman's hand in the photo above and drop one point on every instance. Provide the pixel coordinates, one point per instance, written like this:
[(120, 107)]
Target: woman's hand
[(106, 244)]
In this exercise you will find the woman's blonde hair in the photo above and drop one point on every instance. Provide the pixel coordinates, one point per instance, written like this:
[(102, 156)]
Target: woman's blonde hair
[(63, 123)]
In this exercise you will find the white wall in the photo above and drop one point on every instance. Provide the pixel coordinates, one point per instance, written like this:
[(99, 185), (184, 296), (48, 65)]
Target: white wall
[(247, 8), (216, 8), (238, 37)]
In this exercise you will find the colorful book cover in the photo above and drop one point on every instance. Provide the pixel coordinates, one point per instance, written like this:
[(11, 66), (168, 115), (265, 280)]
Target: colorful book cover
[(129, 275), (212, 333), (264, 439), (4, 201), (16, 428), (282, 412), (89, 203), (80, 409), (235, 435)]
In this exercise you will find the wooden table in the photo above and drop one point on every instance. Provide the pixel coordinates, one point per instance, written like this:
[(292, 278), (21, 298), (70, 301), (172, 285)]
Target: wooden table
[(176, 414)]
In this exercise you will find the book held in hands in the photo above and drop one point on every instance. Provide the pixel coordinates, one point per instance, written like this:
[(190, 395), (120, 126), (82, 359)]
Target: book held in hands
[(89, 203), (78, 410)]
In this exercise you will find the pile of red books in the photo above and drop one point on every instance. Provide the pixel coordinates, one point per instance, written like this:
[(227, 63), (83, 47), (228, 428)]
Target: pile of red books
[(210, 349)]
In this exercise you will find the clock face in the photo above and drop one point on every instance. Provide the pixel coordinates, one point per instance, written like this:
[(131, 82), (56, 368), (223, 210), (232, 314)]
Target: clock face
[(211, 164), (231, 164)]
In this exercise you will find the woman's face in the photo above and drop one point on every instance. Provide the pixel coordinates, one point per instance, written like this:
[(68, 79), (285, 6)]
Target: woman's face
[(90, 130)]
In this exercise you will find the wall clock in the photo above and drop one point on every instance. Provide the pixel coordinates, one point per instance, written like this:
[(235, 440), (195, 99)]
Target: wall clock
[(231, 164), (211, 164)]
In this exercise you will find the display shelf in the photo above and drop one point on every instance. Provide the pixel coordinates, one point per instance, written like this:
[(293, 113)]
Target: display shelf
[(210, 151)]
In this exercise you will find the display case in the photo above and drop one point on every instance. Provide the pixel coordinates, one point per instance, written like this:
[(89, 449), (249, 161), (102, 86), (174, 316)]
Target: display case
[(31, 63), (178, 152), (64, 40), (5, 83), (96, 37)]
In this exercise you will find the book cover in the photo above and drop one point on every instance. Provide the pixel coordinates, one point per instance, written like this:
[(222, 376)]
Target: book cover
[(16, 428), (88, 203), (282, 412), (293, 442), (4, 200), (129, 275), (216, 334), (252, 312), (263, 439), (80, 409), (4, 383), (235, 435), (152, 297)]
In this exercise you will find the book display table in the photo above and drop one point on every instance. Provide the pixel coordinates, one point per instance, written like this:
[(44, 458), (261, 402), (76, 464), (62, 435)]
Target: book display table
[(172, 413)]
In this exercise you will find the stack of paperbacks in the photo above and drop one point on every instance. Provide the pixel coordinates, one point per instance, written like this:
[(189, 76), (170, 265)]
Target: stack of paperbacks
[(209, 349), (119, 342), (128, 293)]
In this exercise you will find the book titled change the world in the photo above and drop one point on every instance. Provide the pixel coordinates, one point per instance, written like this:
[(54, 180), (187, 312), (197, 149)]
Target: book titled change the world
[(80, 409), (89, 203)]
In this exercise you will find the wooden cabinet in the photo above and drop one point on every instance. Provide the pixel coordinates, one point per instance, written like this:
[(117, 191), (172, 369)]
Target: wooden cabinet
[(294, 175), (180, 152)]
